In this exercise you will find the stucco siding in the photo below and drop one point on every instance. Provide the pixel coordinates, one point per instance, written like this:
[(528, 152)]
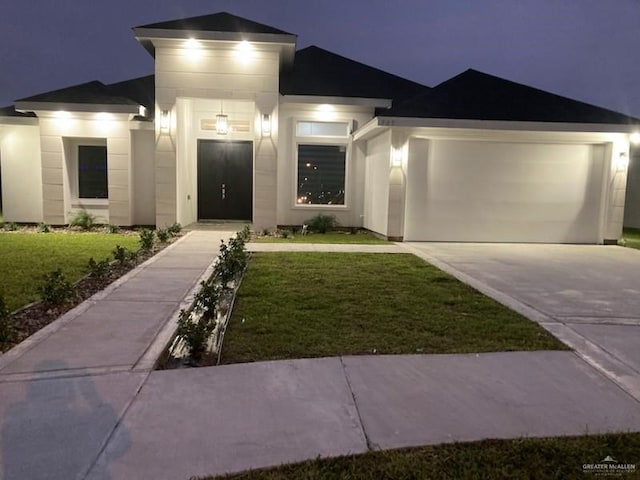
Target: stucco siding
[(376, 203), (22, 189)]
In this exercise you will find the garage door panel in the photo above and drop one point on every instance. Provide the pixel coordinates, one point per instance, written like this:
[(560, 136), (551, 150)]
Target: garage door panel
[(505, 192)]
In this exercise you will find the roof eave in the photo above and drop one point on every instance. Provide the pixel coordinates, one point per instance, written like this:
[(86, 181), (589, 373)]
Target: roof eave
[(151, 33), (322, 99), (505, 125), (76, 107)]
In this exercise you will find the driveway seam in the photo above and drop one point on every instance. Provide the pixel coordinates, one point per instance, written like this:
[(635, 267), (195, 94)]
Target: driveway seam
[(370, 445), (123, 414)]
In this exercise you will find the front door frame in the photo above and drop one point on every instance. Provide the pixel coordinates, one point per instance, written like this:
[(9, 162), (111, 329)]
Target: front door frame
[(200, 141)]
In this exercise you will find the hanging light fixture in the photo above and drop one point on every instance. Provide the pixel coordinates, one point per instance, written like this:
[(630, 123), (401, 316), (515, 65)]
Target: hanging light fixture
[(222, 122)]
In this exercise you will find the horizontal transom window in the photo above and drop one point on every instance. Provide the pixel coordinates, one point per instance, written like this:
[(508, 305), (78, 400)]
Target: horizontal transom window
[(322, 129)]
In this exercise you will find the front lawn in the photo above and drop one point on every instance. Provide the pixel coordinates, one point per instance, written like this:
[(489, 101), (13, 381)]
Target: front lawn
[(26, 257), (331, 237), (531, 458), (296, 305), (631, 237)]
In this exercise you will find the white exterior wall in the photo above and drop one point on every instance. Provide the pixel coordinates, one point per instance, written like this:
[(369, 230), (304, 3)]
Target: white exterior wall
[(58, 139), (21, 173), (184, 83), (632, 202), (290, 213), (376, 195), (143, 177)]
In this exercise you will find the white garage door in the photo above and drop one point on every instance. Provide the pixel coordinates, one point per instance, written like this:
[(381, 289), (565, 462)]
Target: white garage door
[(476, 191)]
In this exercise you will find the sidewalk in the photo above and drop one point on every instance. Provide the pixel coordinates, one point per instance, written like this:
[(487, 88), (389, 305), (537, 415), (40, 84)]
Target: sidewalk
[(63, 390), (80, 401)]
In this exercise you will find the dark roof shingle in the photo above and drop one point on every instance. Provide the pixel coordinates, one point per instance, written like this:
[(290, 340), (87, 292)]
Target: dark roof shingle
[(93, 92), (473, 95), (216, 22), (322, 73)]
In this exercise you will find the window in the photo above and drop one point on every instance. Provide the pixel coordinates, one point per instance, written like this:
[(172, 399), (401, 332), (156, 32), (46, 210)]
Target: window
[(321, 174), (92, 171), (323, 129)]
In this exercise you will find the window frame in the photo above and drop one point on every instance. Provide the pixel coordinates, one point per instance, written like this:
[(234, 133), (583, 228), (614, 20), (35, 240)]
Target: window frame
[(74, 176), (328, 141)]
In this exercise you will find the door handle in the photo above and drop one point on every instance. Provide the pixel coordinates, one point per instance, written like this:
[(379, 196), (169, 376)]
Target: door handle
[(224, 191)]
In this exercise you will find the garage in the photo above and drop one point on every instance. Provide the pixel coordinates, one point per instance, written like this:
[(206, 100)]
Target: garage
[(492, 191)]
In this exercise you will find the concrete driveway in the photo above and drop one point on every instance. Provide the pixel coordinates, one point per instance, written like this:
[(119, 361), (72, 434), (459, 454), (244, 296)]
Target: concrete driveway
[(586, 295)]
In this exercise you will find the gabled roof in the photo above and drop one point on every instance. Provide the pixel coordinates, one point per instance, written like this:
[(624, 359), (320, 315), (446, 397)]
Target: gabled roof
[(473, 95), (216, 22), (319, 72)]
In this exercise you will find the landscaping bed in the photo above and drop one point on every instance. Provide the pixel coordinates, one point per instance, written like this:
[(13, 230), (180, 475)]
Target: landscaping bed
[(631, 238), (347, 237), (63, 256), (201, 328), (300, 305), (530, 458)]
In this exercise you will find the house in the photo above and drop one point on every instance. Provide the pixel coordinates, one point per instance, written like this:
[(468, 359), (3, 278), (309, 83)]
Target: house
[(235, 124)]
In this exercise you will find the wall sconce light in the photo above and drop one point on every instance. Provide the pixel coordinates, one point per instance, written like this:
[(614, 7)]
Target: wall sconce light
[(396, 157), (623, 162), (635, 138), (165, 121), (266, 125)]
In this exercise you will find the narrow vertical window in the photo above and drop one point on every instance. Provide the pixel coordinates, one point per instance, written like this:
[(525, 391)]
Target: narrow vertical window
[(92, 172)]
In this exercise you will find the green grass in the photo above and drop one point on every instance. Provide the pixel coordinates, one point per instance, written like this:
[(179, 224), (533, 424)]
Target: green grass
[(542, 458), (26, 257), (631, 237), (297, 305), (331, 237)]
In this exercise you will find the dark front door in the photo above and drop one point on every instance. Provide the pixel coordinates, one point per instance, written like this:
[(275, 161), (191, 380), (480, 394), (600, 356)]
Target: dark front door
[(225, 180)]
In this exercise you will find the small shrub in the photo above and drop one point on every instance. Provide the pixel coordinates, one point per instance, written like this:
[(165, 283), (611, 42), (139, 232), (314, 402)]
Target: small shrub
[(99, 270), (174, 229), (121, 254), (244, 235), (11, 226), (83, 219), (195, 334), (113, 228), (232, 260), (266, 232), (7, 326), (44, 228), (284, 233), (163, 235), (322, 223), (56, 289), (147, 239)]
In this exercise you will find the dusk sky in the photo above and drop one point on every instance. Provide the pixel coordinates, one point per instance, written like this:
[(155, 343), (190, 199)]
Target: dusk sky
[(584, 49)]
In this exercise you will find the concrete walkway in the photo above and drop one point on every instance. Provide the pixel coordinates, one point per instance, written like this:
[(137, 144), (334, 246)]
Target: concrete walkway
[(80, 401)]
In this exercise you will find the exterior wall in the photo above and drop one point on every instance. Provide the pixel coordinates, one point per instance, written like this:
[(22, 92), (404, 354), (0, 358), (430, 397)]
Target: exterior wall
[(143, 177), (289, 213), (632, 202), (186, 78), (376, 195), (21, 173), (616, 188), (57, 140)]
